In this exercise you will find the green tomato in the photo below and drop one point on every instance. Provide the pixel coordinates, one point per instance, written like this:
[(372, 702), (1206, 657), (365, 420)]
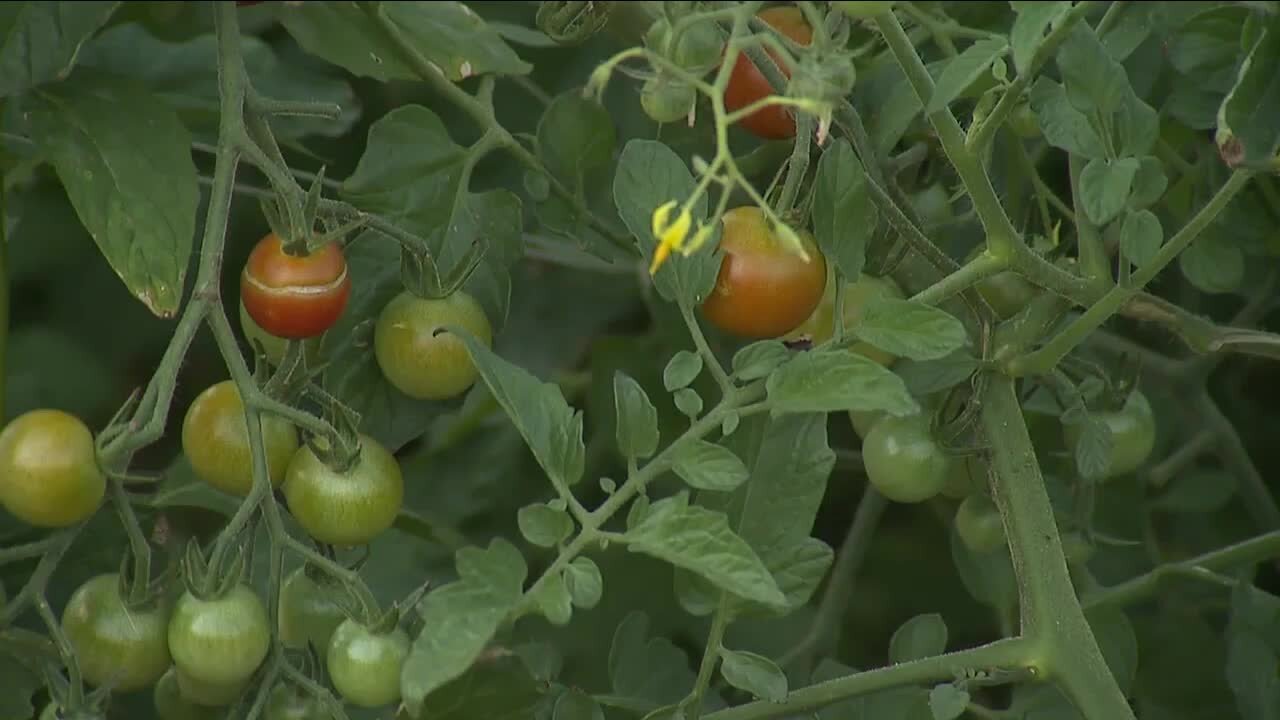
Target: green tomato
[(289, 703), (418, 356), (215, 438), (698, 49), (1133, 434), (903, 460), (124, 648), (933, 204), (1024, 123), (963, 479), (863, 10), (1007, 293), (665, 100), (273, 346), (218, 643), (979, 524), (171, 705), (365, 666), (350, 508), (864, 420), (309, 611)]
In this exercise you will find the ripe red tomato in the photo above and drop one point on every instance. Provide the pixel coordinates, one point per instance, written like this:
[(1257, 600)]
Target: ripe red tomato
[(295, 296), (748, 85), (764, 290), (49, 474)]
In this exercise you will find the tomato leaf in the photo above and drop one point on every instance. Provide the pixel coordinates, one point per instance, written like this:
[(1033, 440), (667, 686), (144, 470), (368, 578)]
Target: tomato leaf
[(753, 673), (637, 430), (920, 637), (926, 377), (461, 618), (551, 428), (18, 682), (452, 38), (1105, 186), (41, 40), (1197, 491), (947, 702), (700, 540), (185, 75), (1248, 133), (553, 601), (961, 71), (1118, 643), (1213, 263), (543, 525), (1064, 127), (1095, 82), (1141, 237), (650, 175), (844, 216), (774, 510), (910, 329), (125, 161), (651, 670), (412, 174), (500, 689), (707, 466), (1093, 448), (1149, 183), (576, 705), (585, 583), (1253, 644), (576, 140), (759, 359), (835, 380), (681, 370), (1034, 19)]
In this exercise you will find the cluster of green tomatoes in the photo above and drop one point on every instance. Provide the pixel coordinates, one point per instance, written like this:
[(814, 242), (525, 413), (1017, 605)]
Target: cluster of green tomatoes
[(198, 650)]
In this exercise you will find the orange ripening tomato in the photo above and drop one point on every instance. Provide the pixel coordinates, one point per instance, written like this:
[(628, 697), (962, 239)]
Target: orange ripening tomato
[(295, 296), (764, 290), (747, 84)]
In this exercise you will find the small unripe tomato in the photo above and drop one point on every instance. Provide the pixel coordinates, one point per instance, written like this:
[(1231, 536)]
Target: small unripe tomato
[(350, 508), (978, 523), (666, 100), (1133, 434), (365, 665), (295, 296), (763, 289), (215, 438), (218, 643), (273, 346), (418, 355), (171, 705), (309, 611), (127, 649), (903, 460), (290, 703), (49, 474), (697, 50), (1024, 123), (820, 326), (748, 85)]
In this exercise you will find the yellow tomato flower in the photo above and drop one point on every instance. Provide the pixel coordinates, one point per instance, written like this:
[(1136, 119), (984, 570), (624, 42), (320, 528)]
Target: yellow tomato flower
[(670, 235)]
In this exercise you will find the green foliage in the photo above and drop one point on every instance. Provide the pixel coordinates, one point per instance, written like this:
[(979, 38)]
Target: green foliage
[(629, 514)]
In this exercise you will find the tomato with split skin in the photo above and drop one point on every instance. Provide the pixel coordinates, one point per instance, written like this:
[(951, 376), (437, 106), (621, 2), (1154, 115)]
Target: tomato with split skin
[(295, 296)]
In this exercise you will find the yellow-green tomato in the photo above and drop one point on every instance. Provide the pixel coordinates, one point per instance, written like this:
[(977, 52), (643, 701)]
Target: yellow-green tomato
[(979, 525), (49, 474), (1133, 434), (345, 508), (365, 665), (215, 438), (858, 296), (124, 648), (418, 355), (903, 460)]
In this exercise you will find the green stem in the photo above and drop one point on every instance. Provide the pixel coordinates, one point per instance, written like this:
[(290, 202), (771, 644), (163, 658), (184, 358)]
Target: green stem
[(1001, 234), (1052, 619), (29, 550), (708, 357), (981, 267), (4, 295), (1009, 653), (1144, 586), (798, 165), (139, 583), (710, 658), (1181, 458), (1231, 450), (1046, 358), (58, 544), (1092, 252)]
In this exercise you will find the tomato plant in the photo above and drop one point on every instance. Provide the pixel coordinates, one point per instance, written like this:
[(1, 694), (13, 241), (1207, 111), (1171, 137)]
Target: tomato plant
[(417, 350), (748, 85), (125, 648), (215, 438), (297, 294), (764, 289), (48, 474), (714, 360), (217, 644), (351, 506), (365, 664)]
